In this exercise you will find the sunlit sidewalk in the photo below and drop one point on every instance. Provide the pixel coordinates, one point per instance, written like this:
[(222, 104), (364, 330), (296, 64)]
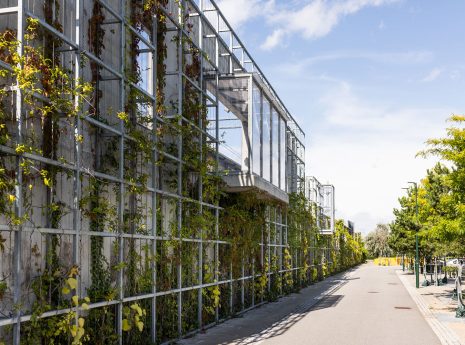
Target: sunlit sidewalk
[(272, 319), (438, 307)]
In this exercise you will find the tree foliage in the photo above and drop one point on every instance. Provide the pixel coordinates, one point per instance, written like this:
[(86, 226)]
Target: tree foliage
[(377, 241), (441, 201)]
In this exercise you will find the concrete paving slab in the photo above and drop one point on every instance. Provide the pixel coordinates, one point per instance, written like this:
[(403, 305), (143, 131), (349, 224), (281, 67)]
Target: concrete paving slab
[(368, 305)]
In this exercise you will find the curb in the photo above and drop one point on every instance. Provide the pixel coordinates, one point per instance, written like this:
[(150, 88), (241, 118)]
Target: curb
[(445, 335)]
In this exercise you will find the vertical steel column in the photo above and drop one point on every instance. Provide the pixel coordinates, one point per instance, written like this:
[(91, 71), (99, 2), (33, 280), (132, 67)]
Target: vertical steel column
[(217, 156), (286, 232), (200, 182), (155, 173), (19, 184), (262, 257), (77, 153), (253, 281), (260, 125), (271, 117), (121, 174), (279, 151), (217, 172), (268, 226), (281, 247), (231, 69), (242, 282), (180, 63)]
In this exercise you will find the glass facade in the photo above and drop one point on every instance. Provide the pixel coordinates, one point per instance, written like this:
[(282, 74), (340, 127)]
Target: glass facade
[(282, 155), (266, 141), (275, 147), (256, 130)]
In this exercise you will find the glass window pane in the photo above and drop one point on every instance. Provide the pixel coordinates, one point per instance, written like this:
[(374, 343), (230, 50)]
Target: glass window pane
[(256, 119), (266, 144), (282, 158), (275, 147), (144, 61)]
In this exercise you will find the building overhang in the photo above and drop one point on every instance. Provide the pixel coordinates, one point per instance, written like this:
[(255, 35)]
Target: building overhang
[(242, 181)]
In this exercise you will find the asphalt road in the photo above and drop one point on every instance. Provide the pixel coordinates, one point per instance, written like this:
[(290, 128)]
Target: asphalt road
[(367, 306)]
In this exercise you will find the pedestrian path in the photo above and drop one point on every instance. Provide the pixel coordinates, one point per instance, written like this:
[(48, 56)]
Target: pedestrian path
[(438, 307), (368, 305)]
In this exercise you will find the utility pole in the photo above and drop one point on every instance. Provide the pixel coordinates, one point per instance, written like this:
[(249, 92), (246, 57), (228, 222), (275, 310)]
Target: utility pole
[(417, 273)]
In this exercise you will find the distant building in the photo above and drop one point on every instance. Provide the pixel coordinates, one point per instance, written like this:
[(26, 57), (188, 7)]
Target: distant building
[(351, 228), (321, 197)]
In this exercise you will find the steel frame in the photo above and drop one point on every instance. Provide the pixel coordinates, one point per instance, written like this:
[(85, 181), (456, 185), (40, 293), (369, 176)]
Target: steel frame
[(238, 56)]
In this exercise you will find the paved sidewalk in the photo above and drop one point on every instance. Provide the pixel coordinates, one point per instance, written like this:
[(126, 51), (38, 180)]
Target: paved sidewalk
[(271, 319), (438, 307), (366, 306)]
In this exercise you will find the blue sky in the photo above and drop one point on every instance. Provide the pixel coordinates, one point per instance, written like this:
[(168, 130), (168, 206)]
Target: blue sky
[(368, 80)]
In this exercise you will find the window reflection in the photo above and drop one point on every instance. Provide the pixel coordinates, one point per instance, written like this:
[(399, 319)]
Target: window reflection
[(256, 129), (266, 143), (275, 147), (282, 156)]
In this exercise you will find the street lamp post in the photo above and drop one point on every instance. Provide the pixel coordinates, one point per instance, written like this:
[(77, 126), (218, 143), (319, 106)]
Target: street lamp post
[(417, 272)]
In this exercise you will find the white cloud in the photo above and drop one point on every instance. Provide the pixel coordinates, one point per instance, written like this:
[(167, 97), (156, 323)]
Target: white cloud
[(398, 58), (273, 40), (367, 150), (433, 75), (237, 12), (315, 19), (381, 25)]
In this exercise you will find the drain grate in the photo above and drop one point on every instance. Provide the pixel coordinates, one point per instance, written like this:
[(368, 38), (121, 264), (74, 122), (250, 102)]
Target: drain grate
[(406, 308), (373, 291), (393, 284)]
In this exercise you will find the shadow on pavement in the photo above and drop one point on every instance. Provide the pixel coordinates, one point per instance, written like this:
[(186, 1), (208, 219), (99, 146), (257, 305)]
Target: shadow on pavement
[(327, 302), (272, 327)]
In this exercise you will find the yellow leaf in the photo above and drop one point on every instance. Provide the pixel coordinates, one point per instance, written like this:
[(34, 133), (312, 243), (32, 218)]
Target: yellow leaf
[(11, 198), (79, 138), (87, 299), (65, 290), (80, 333), (47, 182), (73, 272), (136, 307), (81, 322), (126, 326), (75, 300), (140, 326), (85, 306), (72, 282), (73, 330), (123, 116)]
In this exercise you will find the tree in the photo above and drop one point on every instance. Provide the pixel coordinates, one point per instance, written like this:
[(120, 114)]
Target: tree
[(440, 222), (377, 241), (430, 195), (450, 221)]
